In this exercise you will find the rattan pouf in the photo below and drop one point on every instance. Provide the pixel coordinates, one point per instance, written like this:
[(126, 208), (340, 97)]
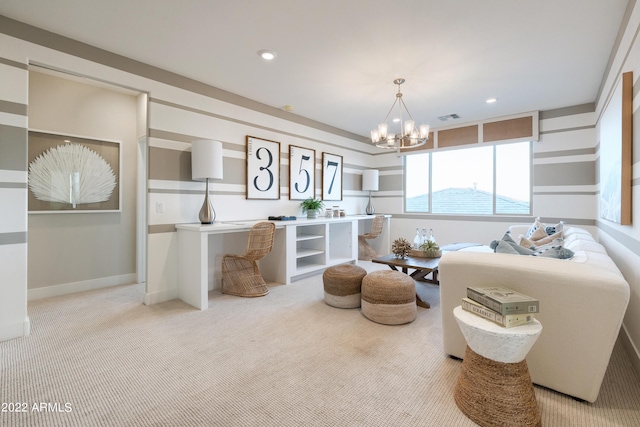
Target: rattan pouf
[(342, 285), (389, 297), (494, 386)]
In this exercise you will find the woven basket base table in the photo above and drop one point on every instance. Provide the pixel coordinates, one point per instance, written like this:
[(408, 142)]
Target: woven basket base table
[(494, 386), (493, 393)]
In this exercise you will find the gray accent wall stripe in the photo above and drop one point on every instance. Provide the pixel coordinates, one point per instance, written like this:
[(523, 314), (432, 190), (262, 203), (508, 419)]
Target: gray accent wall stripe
[(162, 228), (13, 238), (547, 132), (169, 165), (11, 63), (564, 153), (390, 182), (13, 108), (13, 185), (175, 165), (568, 111), (13, 143), (577, 173)]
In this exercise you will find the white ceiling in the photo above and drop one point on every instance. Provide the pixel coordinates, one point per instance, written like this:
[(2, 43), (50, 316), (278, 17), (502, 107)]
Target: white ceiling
[(336, 59)]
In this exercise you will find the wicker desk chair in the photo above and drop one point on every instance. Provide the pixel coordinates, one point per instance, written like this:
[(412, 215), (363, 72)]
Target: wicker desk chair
[(240, 273), (365, 251)]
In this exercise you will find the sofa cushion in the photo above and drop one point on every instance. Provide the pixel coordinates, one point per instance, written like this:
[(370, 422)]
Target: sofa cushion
[(585, 245)]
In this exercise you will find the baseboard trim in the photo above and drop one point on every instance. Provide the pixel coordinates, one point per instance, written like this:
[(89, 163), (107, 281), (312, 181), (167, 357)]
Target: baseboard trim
[(85, 285), (15, 330), (631, 349), (162, 296)]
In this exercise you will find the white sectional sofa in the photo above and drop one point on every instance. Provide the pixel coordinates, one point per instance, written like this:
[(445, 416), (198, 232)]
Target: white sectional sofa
[(582, 303)]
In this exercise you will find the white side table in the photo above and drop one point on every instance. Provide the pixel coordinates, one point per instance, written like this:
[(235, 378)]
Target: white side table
[(494, 386)]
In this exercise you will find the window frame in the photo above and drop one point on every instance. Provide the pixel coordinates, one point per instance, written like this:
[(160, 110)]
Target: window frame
[(495, 170)]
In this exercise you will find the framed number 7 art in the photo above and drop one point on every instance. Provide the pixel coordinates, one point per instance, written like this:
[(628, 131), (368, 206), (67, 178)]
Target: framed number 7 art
[(302, 173), (331, 177), (263, 169)]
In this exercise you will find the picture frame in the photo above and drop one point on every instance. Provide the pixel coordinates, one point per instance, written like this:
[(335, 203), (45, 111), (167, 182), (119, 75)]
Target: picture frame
[(331, 177), (263, 169), (73, 174), (616, 146), (302, 173)]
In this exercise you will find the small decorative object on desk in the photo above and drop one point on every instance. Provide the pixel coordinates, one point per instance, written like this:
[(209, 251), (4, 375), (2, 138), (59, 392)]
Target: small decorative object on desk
[(431, 249), (311, 207), (329, 213), (401, 247)]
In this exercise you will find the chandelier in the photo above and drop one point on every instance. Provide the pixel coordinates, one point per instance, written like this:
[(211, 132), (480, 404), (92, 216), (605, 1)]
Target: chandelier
[(409, 136)]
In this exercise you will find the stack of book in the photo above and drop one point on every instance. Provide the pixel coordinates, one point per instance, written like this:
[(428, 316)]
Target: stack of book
[(501, 305)]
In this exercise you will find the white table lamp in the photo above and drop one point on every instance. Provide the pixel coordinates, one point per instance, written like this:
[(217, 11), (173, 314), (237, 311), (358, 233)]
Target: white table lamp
[(206, 164), (370, 183)]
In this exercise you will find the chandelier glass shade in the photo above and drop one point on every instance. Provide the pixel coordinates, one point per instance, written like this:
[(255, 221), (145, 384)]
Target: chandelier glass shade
[(409, 135)]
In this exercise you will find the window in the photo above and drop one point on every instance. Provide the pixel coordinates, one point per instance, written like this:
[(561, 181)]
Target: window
[(483, 180)]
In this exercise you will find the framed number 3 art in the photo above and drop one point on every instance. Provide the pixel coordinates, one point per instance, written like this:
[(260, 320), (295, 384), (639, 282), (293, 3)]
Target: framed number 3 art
[(302, 173), (331, 177), (263, 169)]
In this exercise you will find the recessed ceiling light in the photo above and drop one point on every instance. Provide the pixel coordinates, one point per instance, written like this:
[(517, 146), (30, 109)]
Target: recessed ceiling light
[(267, 55), (491, 100)]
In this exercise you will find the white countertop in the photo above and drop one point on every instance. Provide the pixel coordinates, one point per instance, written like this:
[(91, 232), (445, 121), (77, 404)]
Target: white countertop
[(226, 226)]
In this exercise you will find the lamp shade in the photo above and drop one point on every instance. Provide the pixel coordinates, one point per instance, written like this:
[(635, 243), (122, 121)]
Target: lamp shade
[(370, 180), (206, 159)]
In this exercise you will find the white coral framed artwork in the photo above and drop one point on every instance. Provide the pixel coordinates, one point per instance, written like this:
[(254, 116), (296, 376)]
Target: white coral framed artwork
[(73, 174)]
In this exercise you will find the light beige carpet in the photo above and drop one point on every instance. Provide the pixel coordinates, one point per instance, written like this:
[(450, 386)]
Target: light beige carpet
[(286, 359)]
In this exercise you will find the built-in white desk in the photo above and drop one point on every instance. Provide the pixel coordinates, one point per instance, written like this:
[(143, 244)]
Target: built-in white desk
[(301, 247)]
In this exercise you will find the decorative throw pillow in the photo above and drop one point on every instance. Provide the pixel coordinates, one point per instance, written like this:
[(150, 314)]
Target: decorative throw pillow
[(538, 234), (553, 229), (525, 242), (503, 247), (536, 224), (558, 252), (548, 239), (508, 246)]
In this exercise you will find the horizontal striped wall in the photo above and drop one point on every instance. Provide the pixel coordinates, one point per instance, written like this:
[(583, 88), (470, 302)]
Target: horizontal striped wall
[(172, 128), (623, 241), (13, 198)]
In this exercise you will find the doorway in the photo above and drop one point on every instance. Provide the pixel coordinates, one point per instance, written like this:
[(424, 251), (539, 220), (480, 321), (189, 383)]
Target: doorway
[(76, 251)]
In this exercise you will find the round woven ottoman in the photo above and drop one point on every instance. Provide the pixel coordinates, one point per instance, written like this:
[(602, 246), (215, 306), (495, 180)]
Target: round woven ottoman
[(389, 297), (342, 285)]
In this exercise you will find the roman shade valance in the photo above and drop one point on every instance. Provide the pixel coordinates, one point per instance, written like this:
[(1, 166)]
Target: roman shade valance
[(517, 128)]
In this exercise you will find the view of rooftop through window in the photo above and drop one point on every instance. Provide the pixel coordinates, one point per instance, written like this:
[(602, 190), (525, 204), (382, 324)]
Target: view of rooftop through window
[(485, 180)]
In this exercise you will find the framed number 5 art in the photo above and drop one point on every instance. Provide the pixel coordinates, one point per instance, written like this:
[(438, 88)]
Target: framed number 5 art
[(263, 169), (331, 177), (302, 173)]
